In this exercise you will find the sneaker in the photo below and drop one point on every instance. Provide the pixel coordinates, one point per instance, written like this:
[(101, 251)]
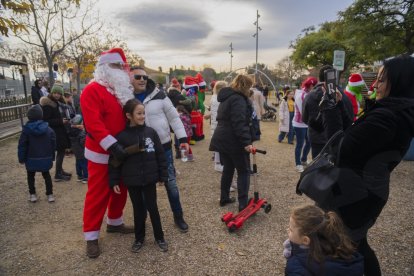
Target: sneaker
[(50, 198), (224, 202), (61, 177), (92, 249), (80, 178), (85, 181), (218, 167), (163, 245), (33, 198), (305, 163), (136, 246), (299, 168), (192, 142), (123, 229)]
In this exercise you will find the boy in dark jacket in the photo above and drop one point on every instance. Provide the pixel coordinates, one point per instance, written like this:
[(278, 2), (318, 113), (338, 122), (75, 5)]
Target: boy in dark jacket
[(144, 166), (36, 150)]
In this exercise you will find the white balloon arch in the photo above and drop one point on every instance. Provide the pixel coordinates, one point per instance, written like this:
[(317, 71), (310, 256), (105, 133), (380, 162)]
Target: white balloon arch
[(258, 71)]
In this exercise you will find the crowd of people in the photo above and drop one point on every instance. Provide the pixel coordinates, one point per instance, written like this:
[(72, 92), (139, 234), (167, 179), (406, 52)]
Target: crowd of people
[(120, 128)]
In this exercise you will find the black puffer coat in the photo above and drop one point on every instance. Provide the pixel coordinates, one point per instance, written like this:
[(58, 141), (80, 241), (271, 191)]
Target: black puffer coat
[(372, 147), (233, 131), (52, 114), (148, 166)]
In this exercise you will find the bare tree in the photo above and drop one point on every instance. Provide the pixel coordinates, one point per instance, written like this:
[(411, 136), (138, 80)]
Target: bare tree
[(53, 25), (287, 70)]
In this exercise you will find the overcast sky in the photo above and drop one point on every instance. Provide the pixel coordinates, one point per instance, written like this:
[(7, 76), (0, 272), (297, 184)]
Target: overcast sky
[(180, 32)]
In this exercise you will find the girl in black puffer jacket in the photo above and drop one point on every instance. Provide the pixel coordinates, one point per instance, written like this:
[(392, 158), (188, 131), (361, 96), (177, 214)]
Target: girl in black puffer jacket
[(144, 166), (233, 138)]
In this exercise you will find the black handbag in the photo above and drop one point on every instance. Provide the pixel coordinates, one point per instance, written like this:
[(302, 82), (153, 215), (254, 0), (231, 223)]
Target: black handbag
[(319, 180)]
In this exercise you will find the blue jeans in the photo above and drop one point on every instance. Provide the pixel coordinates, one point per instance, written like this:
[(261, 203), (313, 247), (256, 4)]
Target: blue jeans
[(171, 185), (82, 168), (291, 132), (301, 152)]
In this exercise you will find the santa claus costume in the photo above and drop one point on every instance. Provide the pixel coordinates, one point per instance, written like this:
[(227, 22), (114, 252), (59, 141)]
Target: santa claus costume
[(101, 102), (354, 92), (191, 85)]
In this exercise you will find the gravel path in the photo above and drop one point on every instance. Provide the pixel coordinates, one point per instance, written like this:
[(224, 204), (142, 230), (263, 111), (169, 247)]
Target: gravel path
[(43, 239)]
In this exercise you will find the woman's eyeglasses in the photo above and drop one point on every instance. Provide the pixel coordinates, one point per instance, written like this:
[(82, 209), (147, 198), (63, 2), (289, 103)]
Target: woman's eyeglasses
[(141, 77)]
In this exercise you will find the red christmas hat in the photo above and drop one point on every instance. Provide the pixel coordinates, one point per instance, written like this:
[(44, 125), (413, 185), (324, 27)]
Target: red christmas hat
[(175, 83), (190, 81), (200, 80), (114, 55), (355, 80), (212, 84), (309, 81)]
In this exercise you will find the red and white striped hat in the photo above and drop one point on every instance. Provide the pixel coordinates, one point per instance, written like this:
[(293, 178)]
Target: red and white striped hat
[(355, 80)]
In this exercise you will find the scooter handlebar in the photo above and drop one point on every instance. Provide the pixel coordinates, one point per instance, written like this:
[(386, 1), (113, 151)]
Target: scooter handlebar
[(254, 151)]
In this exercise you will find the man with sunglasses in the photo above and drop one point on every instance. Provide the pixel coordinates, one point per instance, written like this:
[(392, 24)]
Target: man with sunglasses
[(160, 114)]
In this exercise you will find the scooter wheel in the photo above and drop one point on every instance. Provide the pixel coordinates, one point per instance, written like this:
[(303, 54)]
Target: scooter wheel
[(232, 228), (267, 208)]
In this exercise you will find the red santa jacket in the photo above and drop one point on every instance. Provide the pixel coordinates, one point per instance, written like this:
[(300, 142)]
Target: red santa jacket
[(355, 103), (103, 119)]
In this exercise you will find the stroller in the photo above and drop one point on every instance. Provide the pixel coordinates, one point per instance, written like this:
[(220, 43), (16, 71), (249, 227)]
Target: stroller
[(270, 113)]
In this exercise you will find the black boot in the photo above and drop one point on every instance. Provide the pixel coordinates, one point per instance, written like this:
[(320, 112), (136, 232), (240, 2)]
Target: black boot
[(179, 221)]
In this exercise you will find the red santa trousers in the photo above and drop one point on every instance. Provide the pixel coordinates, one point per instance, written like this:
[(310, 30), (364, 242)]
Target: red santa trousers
[(99, 198)]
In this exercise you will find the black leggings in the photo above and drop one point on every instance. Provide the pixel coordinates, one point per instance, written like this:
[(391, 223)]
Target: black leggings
[(31, 182), (371, 264), (140, 206), (60, 154)]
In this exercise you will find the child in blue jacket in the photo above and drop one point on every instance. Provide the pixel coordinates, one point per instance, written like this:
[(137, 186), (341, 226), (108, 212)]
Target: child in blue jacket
[(318, 245), (36, 150)]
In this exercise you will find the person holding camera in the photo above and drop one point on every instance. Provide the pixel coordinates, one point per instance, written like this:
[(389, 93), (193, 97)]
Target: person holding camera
[(370, 150), (56, 115)]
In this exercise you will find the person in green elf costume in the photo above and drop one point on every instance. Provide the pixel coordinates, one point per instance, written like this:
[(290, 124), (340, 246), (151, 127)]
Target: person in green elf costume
[(354, 91), (201, 93)]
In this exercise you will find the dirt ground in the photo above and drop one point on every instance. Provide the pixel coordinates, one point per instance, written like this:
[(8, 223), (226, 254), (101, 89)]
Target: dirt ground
[(45, 239)]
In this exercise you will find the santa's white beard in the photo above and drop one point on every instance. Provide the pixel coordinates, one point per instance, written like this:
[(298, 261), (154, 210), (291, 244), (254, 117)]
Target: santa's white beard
[(117, 81)]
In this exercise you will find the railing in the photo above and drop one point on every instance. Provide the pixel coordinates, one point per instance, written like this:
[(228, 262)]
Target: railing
[(10, 102), (11, 113)]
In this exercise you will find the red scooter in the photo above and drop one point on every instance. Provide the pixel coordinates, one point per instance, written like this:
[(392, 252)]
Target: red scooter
[(234, 222)]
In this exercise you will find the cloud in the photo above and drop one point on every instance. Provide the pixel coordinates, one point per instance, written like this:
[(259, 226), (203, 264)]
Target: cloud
[(166, 25)]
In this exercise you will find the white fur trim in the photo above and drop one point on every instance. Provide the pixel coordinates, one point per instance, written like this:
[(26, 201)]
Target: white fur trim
[(110, 58), (107, 142), (203, 83), (114, 222), (357, 83), (96, 157), (190, 85), (91, 235)]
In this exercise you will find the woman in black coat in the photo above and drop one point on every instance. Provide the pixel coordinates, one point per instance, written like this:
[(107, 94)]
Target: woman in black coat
[(372, 147), (54, 112), (232, 138)]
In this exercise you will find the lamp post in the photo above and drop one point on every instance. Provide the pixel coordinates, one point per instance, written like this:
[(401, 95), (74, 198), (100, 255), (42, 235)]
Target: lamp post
[(256, 35), (231, 56), (70, 72)]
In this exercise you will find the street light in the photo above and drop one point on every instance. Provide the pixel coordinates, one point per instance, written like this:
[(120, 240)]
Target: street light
[(70, 72), (256, 35), (231, 55)]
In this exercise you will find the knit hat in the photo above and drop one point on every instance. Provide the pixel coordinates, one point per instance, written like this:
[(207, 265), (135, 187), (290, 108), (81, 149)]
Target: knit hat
[(309, 81), (355, 80), (115, 55), (35, 113), (57, 89), (175, 83)]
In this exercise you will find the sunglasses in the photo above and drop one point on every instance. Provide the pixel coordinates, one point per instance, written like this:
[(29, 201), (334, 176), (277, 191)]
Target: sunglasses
[(141, 77)]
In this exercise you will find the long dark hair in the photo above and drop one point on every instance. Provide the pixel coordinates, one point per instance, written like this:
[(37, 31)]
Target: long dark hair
[(130, 106), (399, 72)]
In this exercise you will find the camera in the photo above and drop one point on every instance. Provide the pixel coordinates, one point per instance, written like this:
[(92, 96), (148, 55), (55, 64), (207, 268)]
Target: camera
[(330, 81)]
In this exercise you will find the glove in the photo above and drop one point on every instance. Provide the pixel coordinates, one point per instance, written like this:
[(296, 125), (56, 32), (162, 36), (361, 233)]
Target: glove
[(118, 151), (327, 102), (287, 249)]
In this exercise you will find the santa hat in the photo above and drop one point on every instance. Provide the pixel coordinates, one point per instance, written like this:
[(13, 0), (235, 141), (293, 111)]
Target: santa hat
[(175, 83), (190, 81), (372, 87), (200, 80), (355, 80), (115, 55)]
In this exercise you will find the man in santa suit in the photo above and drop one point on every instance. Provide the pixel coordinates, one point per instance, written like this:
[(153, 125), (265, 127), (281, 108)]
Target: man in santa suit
[(101, 103)]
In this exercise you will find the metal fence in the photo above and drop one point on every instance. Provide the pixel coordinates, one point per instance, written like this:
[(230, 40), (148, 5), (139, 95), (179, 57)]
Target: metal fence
[(11, 113)]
